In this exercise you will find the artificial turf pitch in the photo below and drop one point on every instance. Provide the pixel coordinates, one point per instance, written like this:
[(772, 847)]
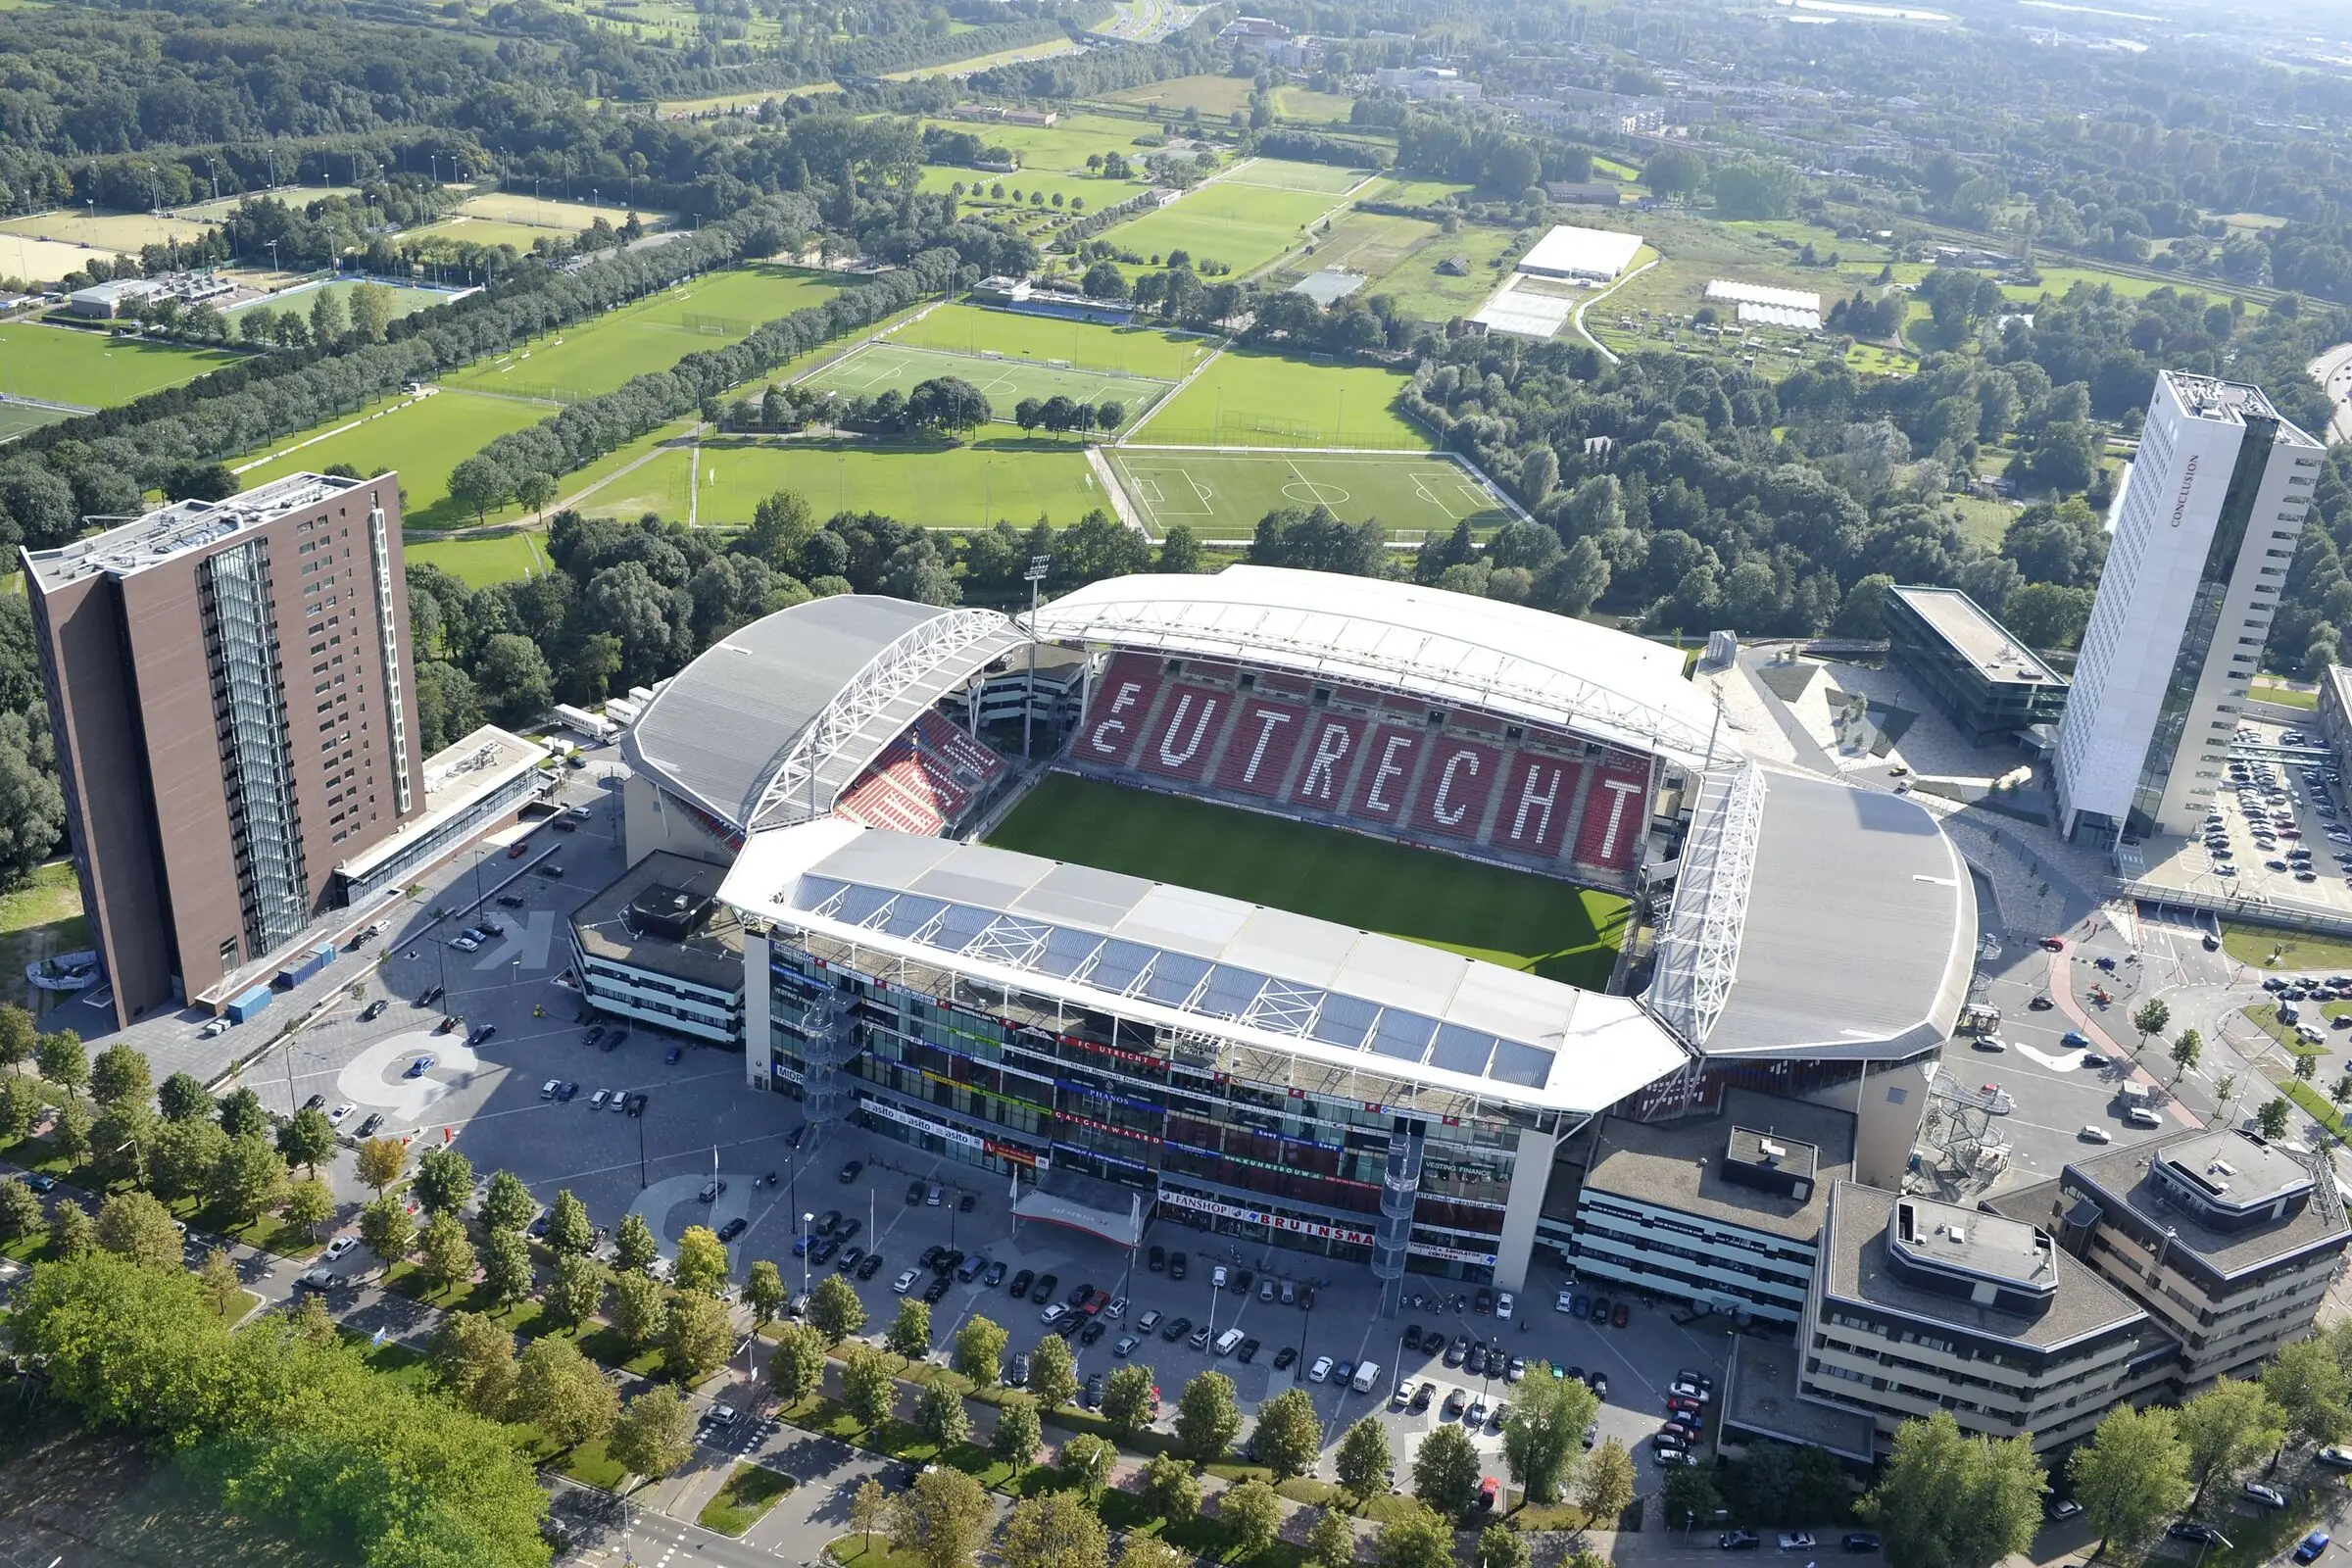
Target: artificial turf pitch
[(1511, 918)]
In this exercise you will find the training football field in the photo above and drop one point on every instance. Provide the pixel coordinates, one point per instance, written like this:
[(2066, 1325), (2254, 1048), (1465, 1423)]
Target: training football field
[(881, 367), (1222, 494), (1511, 918)]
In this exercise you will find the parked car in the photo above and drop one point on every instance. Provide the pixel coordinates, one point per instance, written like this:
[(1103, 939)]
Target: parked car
[(1795, 1540), (1320, 1372), (374, 1010), (736, 1227), (1861, 1540), (2268, 1496), (1157, 1260), (905, 1281), (1020, 1285), (1739, 1540)]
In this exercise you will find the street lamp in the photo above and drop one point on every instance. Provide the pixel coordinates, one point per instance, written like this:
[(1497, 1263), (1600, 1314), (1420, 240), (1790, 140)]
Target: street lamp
[(807, 1220)]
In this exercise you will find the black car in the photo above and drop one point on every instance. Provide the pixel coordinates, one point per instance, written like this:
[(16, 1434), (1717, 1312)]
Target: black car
[(849, 1172), (848, 1228), (823, 1250), (431, 999), (1740, 1541), (1247, 1352), (1459, 1349), (545, 869), (937, 1289), (564, 825), (829, 1221), (481, 1036), (1598, 1382), (1175, 1265), (1412, 1335), (314, 1102), (1483, 1303), (512, 901), (636, 1104), (1285, 1356), (994, 1276), (1044, 1288), (1474, 1361), (1091, 1332), (1176, 1330), (593, 1036), (2194, 1530), (374, 1120), (1421, 1396), (1020, 1285), (736, 1227), (870, 1267), (1094, 1392), (1241, 1281), (915, 1194), (1078, 1296), (374, 1010), (1069, 1326), (967, 1202), (850, 1258), (951, 1258), (1861, 1540), (1157, 1260), (1018, 1374)]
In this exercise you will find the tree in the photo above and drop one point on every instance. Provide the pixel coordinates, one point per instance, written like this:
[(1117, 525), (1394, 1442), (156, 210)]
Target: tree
[(19, 1038), (308, 1205), (72, 1132), (567, 1228), (909, 1333), (796, 1365), (562, 1393), (306, 1137), (120, 1073), (1689, 1495), (1052, 1373), (63, 1060), (1054, 1529), (2151, 1019), (1446, 1471), (477, 483), (385, 1226), (763, 1293), (380, 1162), (473, 1360), (1127, 1400), (1290, 1437), (1087, 1459), (535, 490), (943, 1519), (2132, 1476), (1502, 1547), (835, 1310), (249, 1180), (1171, 1488), (1252, 1514), (2186, 1048), (444, 1182), (633, 1245), (1366, 1457), (1949, 1501), (72, 1231), (1545, 1432), (371, 311), (136, 1226), (2307, 1382), (701, 1265), (1605, 1488), (1415, 1538), (655, 1434), (20, 1102), (638, 1304), (182, 1098), (869, 1509), (1208, 1417), (939, 1415), (445, 1254), (1331, 1540), (979, 1350), (1150, 1551), (20, 1213), (512, 678), (507, 1272), (1018, 1434), (222, 1285), (868, 1386), (575, 1290), (508, 1204)]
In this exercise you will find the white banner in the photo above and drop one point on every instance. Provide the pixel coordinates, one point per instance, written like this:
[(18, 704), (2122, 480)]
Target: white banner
[(922, 1124)]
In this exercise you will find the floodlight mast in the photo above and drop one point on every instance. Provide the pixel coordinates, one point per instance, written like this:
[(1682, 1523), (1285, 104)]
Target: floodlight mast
[(1038, 567)]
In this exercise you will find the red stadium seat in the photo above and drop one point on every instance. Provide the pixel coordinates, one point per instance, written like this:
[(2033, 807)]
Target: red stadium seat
[(1333, 744), (1616, 813), (1456, 783), (1122, 702), (1387, 774), (1266, 736), (1537, 793), (1179, 740)]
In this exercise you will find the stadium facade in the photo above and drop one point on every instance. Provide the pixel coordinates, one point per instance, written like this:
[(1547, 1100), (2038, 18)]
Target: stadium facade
[(1121, 1048)]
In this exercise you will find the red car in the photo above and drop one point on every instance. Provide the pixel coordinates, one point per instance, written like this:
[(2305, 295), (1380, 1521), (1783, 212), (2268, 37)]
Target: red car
[(1620, 1315), (2053, 944), (1688, 1410), (515, 852), (1095, 1302)]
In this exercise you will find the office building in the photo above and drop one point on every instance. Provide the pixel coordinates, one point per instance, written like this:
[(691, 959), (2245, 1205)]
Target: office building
[(229, 688), (654, 946), (1920, 1307), (2204, 532), (1992, 687)]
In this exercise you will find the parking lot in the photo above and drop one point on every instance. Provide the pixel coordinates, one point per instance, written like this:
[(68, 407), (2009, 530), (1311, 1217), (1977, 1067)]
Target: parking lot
[(2276, 834)]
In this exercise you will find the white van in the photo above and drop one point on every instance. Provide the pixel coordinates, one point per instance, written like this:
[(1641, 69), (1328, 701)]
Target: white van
[(1367, 1376), (1228, 1342)]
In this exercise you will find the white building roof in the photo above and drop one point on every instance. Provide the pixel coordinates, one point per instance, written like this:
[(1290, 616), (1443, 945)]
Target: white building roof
[(1523, 311), (1321, 996), (1445, 647), (1570, 251)]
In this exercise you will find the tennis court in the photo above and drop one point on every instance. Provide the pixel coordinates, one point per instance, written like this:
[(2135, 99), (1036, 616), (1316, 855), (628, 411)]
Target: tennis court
[(1223, 494), (881, 367)]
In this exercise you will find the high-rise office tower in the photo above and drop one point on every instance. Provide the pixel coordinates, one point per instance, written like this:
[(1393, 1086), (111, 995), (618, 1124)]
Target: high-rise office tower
[(229, 687), (2204, 532)]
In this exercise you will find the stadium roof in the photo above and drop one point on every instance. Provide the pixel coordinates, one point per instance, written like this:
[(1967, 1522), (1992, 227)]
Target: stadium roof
[(771, 723), (1445, 647), (1851, 933), (1319, 996)]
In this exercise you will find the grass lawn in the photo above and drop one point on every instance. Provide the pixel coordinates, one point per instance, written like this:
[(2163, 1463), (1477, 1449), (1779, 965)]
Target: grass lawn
[(1374, 244), (2295, 950), (406, 301), (1869, 358), (1424, 293), (1214, 97), (745, 1500), (17, 417), (1277, 173), (506, 556), (2268, 690), (1223, 494), (1059, 148), (73, 364), (114, 234), (591, 1465), (1984, 522), (1085, 345), (546, 211), (994, 192), (597, 356), (1506, 917), (2264, 1015), (41, 917), (1305, 103), (1240, 224), (880, 368), (1250, 399), (933, 484), (424, 438)]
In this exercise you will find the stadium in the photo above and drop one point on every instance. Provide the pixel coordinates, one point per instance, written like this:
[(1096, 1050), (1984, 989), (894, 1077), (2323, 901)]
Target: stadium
[(1310, 909)]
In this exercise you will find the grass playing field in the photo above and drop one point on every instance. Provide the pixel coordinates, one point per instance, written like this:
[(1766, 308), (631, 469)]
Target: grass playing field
[(1506, 917), (484, 559), (70, 365), (110, 232), (1221, 495), (1275, 173), (1240, 224), (1249, 399), (931, 484), (895, 367), (1088, 345), (406, 301), (423, 438)]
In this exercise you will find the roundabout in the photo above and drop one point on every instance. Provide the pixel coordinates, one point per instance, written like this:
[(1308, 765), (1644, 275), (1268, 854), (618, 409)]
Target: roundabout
[(376, 1080), (674, 1203)]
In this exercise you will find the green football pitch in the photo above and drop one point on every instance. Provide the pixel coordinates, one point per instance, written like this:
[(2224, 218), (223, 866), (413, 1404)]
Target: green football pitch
[(1159, 354), (882, 368), (75, 364), (1511, 918), (1222, 494)]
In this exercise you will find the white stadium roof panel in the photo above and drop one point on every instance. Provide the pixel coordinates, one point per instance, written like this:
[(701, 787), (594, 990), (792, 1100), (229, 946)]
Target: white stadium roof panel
[(1573, 250), (1446, 648)]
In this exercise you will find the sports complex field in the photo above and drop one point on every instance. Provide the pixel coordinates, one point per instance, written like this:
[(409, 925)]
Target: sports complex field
[(933, 484), (1221, 495), (1253, 399), (423, 438), (880, 368), (1243, 219), (1512, 918), (1163, 356), (71, 365)]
